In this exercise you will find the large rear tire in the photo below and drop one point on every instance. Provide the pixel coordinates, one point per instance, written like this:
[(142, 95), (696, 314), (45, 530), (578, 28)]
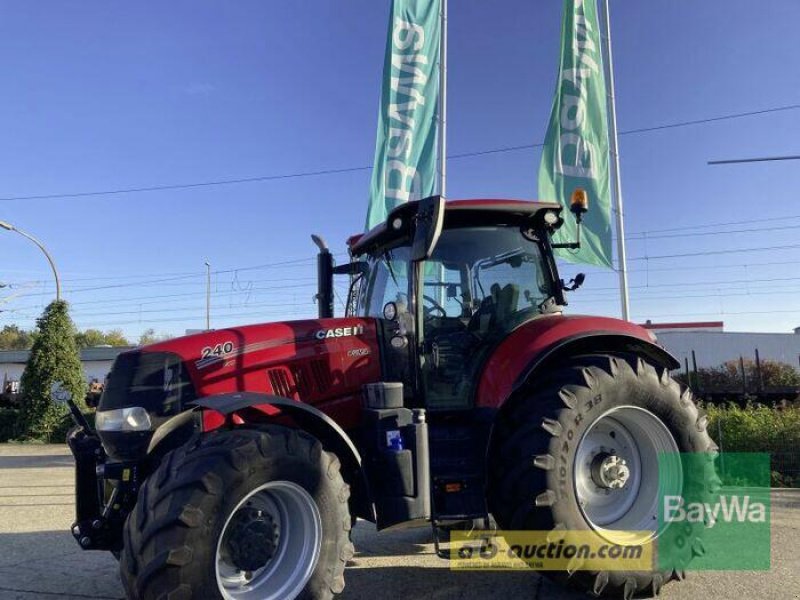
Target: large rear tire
[(579, 449), (240, 515)]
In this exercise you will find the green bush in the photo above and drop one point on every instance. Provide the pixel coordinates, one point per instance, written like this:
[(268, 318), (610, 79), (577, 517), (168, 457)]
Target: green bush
[(757, 428)]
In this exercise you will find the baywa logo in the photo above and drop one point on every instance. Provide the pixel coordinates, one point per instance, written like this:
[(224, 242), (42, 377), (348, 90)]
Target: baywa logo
[(728, 509), (714, 511)]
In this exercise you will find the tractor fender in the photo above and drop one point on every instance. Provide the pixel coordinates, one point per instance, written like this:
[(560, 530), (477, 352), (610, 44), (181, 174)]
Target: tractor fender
[(174, 432), (256, 408), (540, 343)]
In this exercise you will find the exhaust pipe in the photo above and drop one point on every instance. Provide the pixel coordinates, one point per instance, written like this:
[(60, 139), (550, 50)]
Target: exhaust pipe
[(324, 295)]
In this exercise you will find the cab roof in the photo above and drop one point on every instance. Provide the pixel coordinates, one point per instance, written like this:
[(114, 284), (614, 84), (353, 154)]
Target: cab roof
[(480, 211)]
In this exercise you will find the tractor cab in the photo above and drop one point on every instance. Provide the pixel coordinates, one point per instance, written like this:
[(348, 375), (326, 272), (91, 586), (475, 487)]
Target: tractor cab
[(447, 281)]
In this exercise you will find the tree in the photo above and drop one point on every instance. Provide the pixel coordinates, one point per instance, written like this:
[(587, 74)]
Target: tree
[(115, 337), (149, 336), (54, 358), (90, 338), (14, 338)]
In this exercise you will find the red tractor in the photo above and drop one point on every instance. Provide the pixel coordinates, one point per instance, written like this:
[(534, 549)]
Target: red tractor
[(233, 463)]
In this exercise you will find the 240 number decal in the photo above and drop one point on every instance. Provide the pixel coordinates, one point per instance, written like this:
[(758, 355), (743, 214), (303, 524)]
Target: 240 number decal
[(218, 350)]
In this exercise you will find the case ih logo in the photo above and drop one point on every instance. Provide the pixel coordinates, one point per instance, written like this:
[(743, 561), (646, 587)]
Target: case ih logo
[(339, 332)]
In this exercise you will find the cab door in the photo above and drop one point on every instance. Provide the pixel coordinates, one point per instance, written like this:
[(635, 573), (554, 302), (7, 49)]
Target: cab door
[(388, 282), (448, 347)]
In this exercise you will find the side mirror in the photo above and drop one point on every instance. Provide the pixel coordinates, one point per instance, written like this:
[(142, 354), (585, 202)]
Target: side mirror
[(428, 227), (60, 395), (573, 284)]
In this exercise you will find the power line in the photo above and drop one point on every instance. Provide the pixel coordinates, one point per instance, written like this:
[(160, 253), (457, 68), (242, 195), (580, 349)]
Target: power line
[(279, 291), (642, 237), (716, 252), (594, 294), (704, 283), (181, 277), (649, 269), (727, 117), (201, 317), (183, 186), (718, 224), (724, 313), (753, 160), (339, 171)]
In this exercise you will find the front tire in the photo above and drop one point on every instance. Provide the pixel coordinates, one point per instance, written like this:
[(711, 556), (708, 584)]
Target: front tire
[(580, 452), (240, 515)]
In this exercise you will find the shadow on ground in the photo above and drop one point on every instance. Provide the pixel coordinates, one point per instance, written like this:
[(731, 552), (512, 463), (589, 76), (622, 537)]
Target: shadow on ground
[(443, 584), (49, 564), (35, 462)]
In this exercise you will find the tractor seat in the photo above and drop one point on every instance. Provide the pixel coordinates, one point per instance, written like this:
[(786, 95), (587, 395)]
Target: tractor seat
[(496, 309)]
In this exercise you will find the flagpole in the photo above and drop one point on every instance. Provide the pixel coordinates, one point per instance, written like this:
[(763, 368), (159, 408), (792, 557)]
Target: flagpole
[(622, 266), (443, 103)]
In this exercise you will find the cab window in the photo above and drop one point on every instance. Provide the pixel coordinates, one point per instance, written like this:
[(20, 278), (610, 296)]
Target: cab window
[(388, 282)]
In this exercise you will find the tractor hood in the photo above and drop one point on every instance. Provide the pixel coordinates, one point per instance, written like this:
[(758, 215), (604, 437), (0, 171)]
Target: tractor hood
[(319, 361)]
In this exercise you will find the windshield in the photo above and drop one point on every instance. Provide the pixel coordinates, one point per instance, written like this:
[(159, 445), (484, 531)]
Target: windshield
[(479, 283), (493, 271)]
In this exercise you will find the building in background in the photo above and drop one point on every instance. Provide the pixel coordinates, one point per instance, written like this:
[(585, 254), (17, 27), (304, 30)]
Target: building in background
[(96, 365), (713, 346)]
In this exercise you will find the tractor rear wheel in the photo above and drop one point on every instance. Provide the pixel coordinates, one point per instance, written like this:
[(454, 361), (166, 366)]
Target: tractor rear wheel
[(580, 450), (240, 515)]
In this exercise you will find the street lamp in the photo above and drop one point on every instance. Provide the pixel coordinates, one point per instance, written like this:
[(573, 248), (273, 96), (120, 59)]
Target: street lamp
[(208, 296), (10, 227)]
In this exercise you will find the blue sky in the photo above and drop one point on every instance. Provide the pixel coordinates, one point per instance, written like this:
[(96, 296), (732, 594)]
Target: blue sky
[(102, 95)]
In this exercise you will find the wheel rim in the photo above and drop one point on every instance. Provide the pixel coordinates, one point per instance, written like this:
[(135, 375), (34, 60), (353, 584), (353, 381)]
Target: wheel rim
[(270, 544), (619, 477)]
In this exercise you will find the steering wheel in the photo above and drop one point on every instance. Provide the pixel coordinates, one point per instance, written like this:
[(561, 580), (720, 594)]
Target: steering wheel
[(436, 307)]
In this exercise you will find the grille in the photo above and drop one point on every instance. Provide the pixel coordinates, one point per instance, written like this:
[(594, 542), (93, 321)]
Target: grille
[(321, 375), (302, 381), (281, 381)]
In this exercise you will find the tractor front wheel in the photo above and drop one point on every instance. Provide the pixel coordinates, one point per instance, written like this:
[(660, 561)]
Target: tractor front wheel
[(591, 447), (240, 515)]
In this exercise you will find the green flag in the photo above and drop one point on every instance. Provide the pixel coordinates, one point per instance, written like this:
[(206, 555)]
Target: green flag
[(405, 152), (576, 153)]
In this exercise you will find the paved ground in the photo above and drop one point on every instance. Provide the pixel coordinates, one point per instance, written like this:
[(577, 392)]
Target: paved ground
[(39, 559)]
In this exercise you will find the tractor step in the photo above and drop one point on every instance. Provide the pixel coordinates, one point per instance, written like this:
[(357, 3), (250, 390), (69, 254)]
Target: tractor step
[(457, 472), (441, 533)]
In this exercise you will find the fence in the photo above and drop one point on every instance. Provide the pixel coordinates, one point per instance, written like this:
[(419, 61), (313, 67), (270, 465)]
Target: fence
[(743, 380)]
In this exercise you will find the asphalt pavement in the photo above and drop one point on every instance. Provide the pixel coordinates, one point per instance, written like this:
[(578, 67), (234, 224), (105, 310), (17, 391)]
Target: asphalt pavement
[(40, 559)]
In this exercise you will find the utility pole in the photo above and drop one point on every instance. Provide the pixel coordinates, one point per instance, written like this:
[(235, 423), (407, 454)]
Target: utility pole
[(443, 103), (10, 227), (622, 266), (208, 296), (443, 121)]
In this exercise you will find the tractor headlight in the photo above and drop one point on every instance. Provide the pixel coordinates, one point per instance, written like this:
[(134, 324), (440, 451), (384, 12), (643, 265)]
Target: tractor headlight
[(551, 218), (134, 418)]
